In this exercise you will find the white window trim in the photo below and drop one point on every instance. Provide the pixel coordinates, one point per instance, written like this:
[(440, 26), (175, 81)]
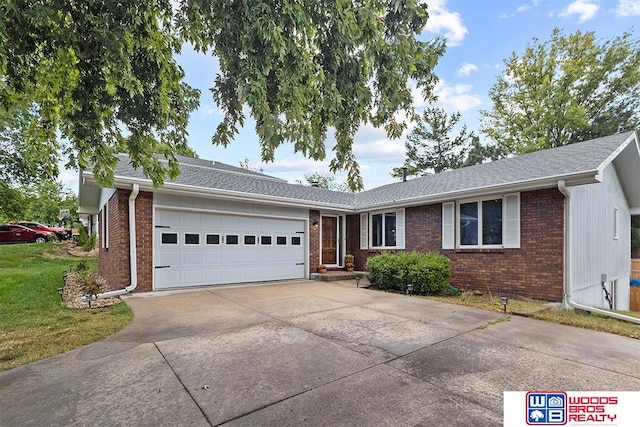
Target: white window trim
[(398, 227), (479, 201), (105, 226), (183, 242)]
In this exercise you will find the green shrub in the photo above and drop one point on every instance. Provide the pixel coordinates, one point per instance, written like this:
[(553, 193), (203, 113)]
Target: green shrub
[(84, 241), (429, 273)]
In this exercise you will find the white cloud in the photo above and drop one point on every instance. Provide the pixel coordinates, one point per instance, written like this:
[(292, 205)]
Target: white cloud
[(457, 97), (467, 68), (585, 9), (527, 6), (442, 20), (628, 8)]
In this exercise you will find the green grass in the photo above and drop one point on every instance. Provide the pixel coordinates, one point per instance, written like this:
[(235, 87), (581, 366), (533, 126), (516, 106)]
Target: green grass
[(532, 308), (34, 324)]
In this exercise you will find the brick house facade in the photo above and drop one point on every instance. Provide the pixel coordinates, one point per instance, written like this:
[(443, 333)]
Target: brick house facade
[(565, 221), (535, 270), (113, 260)]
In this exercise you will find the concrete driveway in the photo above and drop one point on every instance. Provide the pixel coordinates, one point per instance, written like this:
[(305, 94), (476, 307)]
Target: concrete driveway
[(310, 353)]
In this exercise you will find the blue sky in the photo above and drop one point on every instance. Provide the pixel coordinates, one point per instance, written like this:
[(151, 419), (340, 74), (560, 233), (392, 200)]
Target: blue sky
[(480, 35)]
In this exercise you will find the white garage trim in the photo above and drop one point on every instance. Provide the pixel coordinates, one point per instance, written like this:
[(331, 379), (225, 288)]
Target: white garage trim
[(178, 263), (223, 212)]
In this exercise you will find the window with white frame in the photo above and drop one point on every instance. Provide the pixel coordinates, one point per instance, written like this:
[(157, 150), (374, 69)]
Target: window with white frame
[(492, 222), (105, 226), (382, 229)]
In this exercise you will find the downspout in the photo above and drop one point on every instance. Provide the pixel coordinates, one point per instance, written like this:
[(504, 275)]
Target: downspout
[(133, 252), (567, 302)]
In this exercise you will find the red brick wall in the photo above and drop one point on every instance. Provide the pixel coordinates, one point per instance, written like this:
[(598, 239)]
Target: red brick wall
[(535, 270), (144, 241), (314, 241), (114, 261)]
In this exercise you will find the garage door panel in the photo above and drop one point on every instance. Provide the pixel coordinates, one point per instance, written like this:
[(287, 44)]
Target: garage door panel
[(191, 220), (209, 259), (212, 275), (191, 258), (165, 278), (168, 258), (213, 258), (192, 277)]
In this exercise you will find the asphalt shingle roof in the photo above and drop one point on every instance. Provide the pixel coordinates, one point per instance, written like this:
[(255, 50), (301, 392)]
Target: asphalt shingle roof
[(571, 159)]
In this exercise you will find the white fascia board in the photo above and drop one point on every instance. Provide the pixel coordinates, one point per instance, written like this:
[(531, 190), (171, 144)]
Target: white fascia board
[(587, 177), (189, 190), (616, 153)]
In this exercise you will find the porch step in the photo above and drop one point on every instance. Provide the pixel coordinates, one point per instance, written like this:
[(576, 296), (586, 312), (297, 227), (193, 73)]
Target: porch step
[(336, 275)]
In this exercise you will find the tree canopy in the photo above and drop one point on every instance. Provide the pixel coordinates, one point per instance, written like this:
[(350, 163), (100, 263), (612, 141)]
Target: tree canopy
[(96, 74), (328, 182), (564, 90), (431, 145)]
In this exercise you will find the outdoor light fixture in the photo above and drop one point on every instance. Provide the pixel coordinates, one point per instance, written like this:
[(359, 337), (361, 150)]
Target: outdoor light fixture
[(60, 292), (505, 300), (358, 282), (410, 289), (314, 223)]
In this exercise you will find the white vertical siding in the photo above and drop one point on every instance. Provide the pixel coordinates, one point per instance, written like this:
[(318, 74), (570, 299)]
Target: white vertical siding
[(594, 248)]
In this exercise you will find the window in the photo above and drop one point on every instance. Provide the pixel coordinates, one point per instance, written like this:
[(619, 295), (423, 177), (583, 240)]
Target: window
[(213, 239), (383, 230), (191, 239), (249, 240), (281, 240), (105, 227), (169, 238), (232, 239), (265, 240), (295, 240), (480, 223), (492, 222)]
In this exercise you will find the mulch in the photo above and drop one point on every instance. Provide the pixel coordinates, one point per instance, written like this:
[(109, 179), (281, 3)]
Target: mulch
[(73, 290)]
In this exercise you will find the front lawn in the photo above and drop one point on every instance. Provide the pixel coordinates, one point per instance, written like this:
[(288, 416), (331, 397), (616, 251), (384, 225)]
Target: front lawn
[(34, 324), (535, 310)]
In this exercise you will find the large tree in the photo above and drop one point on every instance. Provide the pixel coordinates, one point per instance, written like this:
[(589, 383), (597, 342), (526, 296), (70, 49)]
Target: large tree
[(326, 181), (97, 72), (564, 90), (434, 145)]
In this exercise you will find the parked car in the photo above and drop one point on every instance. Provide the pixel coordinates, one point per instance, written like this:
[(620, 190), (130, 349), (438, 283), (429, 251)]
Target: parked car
[(13, 233), (61, 233)]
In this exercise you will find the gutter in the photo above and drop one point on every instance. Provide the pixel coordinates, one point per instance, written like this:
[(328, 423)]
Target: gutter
[(567, 302), (133, 252)]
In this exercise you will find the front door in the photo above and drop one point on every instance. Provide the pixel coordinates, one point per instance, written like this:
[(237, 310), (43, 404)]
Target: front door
[(330, 240)]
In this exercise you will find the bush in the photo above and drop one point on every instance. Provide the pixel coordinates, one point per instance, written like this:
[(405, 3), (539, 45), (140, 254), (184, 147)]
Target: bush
[(84, 241), (429, 273)]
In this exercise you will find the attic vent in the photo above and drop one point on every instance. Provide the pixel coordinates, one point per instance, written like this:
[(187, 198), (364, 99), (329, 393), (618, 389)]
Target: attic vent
[(213, 162), (315, 184)]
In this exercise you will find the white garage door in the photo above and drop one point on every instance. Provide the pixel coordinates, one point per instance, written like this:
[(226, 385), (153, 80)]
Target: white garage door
[(195, 249)]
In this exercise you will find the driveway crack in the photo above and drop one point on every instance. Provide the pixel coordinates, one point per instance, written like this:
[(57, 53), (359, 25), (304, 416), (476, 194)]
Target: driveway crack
[(183, 385)]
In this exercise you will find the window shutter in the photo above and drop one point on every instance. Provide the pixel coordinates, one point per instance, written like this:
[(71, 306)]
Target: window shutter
[(511, 237), (364, 231), (400, 239), (448, 219)]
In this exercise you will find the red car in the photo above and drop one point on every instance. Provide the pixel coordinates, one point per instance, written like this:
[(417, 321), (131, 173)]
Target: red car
[(13, 233), (62, 233)]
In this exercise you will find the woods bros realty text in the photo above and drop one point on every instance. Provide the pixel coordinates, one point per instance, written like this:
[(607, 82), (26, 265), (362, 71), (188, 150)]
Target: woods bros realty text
[(571, 408)]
